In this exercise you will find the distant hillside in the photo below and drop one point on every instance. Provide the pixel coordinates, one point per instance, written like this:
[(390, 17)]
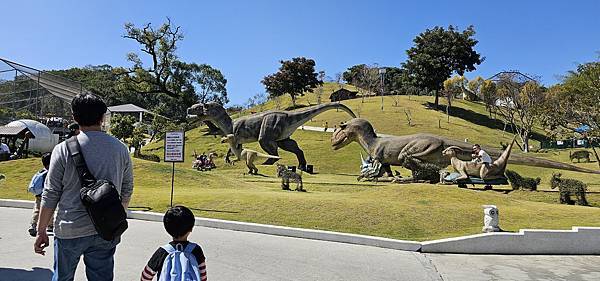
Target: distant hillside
[(468, 120)]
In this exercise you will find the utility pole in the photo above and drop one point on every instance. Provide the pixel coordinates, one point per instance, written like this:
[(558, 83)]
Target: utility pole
[(382, 74)]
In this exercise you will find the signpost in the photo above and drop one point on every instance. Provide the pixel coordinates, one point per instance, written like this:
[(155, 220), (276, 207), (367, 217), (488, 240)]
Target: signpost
[(174, 152)]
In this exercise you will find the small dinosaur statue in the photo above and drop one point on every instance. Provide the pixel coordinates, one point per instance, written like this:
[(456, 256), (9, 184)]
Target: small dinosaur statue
[(272, 129), (477, 169), (248, 156), (422, 147)]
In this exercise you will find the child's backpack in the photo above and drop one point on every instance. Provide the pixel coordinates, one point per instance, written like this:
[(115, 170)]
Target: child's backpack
[(180, 264), (36, 186)]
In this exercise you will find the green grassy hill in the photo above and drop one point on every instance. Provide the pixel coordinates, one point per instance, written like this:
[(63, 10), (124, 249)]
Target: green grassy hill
[(468, 120), (335, 200)]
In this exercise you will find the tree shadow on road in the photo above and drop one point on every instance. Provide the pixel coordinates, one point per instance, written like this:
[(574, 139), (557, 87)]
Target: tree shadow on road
[(18, 274)]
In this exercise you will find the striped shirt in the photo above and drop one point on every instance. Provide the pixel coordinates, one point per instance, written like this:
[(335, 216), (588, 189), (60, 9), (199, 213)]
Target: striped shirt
[(155, 263)]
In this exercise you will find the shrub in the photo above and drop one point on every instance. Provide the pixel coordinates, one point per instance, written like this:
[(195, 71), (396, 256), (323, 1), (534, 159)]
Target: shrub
[(148, 157), (518, 182)]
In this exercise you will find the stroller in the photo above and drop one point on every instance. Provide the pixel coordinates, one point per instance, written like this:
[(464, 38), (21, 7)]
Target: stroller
[(203, 162)]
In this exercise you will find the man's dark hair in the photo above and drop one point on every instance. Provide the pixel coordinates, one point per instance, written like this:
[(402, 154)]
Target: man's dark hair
[(46, 159), (178, 221), (477, 145), (88, 109)]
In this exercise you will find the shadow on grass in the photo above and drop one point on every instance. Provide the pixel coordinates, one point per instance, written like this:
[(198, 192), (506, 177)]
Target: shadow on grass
[(214, 211), (36, 273), (480, 119), (140, 208), (259, 174), (298, 106)]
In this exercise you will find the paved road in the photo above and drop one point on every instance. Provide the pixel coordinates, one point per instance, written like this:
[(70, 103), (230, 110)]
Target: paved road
[(235, 255)]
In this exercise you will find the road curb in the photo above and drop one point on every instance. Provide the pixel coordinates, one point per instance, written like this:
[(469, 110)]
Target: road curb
[(264, 229), (577, 241)]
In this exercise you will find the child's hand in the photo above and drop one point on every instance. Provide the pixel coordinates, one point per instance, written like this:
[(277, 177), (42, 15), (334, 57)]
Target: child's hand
[(41, 242)]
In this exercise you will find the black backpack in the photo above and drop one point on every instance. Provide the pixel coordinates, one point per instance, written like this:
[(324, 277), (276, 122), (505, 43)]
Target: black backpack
[(99, 197)]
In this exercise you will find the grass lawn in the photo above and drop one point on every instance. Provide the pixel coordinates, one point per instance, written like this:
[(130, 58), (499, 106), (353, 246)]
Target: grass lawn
[(335, 200)]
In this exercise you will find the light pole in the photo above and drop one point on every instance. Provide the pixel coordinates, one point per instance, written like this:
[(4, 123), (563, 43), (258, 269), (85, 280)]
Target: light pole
[(382, 74)]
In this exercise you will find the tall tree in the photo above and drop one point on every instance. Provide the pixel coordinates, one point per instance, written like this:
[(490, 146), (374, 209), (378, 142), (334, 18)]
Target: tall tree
[(576, 101), (321, 88), (294, 77), (353, 73), (520, 102), (168, 83), (160, 44), (438, 53), (488, 94)]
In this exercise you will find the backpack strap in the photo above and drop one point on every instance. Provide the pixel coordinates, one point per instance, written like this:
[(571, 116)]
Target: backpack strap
[(169, 248), (190, 247), (75, 152)]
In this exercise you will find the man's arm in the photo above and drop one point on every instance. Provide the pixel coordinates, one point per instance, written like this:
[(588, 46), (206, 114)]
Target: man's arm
[(127, 184), (42, 241)]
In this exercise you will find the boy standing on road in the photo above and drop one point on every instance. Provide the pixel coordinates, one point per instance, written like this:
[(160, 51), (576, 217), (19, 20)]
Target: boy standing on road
[(36, 186), (179, 222)]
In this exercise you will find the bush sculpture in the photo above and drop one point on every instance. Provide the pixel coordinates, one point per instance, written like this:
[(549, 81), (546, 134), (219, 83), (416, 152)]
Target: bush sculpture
[(568, 188), (518, 182)]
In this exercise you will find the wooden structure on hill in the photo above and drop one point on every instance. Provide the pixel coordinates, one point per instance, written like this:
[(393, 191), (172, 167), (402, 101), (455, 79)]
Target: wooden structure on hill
[(342, 94)]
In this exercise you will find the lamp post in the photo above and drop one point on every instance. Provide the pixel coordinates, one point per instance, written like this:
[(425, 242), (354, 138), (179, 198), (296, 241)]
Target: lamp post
[(382, 74)]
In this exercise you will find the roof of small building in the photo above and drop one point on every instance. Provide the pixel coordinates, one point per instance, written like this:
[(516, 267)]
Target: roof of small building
[(10, 131), (127, 108), (344, 90)]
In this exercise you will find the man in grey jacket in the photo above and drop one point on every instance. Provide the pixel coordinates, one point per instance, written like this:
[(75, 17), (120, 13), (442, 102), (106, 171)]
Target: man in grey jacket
[(75, 236)]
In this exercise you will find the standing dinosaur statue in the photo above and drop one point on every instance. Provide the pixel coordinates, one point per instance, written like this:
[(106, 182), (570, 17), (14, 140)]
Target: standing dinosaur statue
[(422, 147), (248, 156), (272, 129)]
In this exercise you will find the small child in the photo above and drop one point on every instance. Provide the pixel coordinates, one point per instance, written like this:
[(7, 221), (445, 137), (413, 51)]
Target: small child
[(36, 186), (178, 222)]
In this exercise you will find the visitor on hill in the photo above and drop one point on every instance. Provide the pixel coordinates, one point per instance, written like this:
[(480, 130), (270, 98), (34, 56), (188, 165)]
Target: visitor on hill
[(36, 186), (4, 148), (167, 261), (74, 233), (480, 156), (73, 130)]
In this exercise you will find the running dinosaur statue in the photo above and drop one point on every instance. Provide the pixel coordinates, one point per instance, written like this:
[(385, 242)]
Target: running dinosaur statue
[(272, 129), (481, 170), (391, 151)]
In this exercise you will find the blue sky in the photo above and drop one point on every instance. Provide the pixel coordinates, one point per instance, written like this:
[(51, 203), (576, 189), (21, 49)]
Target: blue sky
[(246, 39)]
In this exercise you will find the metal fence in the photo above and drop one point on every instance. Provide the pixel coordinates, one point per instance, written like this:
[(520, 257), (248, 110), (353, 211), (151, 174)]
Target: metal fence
[(570, 143)]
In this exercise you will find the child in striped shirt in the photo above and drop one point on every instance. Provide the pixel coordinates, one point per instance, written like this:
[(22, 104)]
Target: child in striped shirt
[(178, 222)]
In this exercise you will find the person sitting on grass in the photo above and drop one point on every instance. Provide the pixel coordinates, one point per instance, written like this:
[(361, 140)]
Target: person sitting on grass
[(36, 186), (179, 259)]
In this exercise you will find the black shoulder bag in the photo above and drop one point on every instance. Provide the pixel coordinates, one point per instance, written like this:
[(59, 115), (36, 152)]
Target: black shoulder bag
[(99, 197)]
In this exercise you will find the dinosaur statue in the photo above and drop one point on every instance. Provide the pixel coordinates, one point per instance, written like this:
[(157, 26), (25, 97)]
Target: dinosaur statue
[(468, 169), (272, 129), (422, 147), (248, 156)]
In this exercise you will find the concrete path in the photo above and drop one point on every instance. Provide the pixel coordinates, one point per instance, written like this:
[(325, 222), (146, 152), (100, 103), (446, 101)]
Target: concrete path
[(235, 255)]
